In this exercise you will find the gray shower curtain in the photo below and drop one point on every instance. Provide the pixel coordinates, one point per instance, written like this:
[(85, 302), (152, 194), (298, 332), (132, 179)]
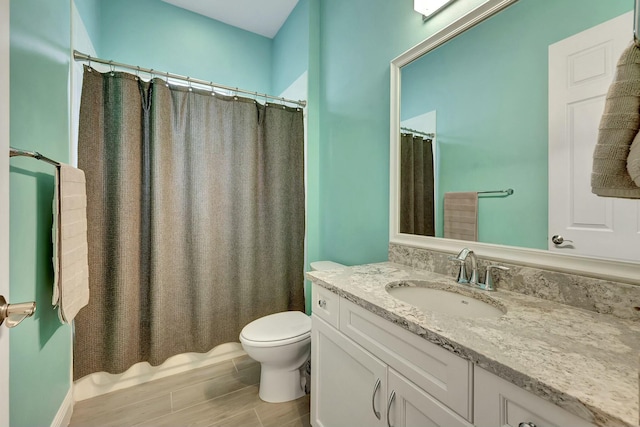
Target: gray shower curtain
[(196, 219), (416, 186)]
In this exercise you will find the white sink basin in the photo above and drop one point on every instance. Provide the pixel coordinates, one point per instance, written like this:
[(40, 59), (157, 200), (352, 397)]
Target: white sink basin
[(430, 299)]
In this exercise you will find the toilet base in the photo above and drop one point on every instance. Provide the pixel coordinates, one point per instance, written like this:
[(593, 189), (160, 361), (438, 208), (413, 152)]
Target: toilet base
[(279, 385)]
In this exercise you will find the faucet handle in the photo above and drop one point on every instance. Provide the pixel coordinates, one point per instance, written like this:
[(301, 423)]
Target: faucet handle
[(488, 279), (462, 273)]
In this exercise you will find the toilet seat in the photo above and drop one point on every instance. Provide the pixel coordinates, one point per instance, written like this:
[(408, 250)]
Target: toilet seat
[(277, 329)]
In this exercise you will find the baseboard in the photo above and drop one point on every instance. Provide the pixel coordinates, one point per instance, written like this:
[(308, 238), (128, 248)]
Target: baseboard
[(100, 383), (63, 417)]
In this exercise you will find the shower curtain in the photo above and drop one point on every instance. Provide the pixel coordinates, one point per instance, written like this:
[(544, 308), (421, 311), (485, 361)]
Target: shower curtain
[(195, 218), (416, 186)]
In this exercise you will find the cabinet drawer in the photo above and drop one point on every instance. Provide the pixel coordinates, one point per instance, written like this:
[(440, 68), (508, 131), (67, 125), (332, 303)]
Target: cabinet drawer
[(501, 403), (439, 372), (325, 304)]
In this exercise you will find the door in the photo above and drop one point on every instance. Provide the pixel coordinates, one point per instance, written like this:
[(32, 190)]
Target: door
[(581, 69), (410, 406), (4, 205), (348, 383)]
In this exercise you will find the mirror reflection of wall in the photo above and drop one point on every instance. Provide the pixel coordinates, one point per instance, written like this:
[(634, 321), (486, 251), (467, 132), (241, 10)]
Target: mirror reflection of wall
[(489, 87)]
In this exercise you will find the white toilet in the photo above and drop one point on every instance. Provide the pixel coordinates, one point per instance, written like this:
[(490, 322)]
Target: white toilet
[(281, 342)]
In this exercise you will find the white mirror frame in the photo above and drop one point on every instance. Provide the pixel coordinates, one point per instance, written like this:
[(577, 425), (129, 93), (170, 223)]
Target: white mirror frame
[(628, 272)]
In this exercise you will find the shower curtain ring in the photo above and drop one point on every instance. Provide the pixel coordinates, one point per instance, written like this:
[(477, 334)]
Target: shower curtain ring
[(167, 81), (89, 64), (213, 89), (189, 83), (235, 94), (112, 68), (137, 72)]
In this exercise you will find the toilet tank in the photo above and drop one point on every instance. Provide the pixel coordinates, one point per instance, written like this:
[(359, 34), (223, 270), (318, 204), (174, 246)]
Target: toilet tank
[(326, 265)]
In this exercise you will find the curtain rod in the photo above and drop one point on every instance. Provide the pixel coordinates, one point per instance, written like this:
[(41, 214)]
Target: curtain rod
[(429, 135), (79, 56), (13, 152)]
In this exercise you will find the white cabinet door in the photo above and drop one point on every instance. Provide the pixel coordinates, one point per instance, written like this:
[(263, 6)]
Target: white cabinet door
[(500, 403), (348, 383), (410, 406)]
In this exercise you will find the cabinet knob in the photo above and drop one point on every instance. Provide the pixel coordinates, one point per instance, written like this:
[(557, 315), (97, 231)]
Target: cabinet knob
[(322, 303), (529, 424)]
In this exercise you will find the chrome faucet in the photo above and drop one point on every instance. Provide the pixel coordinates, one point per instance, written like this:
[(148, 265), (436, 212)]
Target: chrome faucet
[(461, 258)]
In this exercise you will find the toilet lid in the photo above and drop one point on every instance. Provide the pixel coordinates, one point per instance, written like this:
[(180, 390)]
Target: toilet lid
[(277, 327)]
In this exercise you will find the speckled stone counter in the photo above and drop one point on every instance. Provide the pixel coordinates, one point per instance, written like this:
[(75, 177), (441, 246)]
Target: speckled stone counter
[(584, 362)]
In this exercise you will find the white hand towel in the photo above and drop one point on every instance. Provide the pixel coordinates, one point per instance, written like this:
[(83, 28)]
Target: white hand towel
[(71, 265)]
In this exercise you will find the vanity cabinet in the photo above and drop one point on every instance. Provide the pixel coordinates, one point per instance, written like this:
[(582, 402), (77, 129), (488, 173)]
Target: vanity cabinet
[(367, 371), (358, 382), (501, 403)]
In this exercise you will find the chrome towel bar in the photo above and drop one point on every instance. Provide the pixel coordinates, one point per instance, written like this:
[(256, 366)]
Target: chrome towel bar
[(13, 152)]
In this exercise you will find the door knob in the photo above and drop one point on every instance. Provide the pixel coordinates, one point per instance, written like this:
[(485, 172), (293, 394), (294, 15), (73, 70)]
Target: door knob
[(15, 313), (558, 240)]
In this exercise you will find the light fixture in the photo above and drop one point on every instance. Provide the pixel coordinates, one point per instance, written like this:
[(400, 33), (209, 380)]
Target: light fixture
[(429, 7)]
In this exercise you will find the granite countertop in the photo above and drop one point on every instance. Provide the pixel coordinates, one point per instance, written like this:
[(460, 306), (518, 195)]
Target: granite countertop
[(584, 362)]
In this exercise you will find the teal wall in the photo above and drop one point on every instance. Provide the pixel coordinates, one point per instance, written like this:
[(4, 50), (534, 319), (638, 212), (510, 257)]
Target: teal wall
[(489, 88), (40, 358), (290, 57), (89, 10), (158, 35), (358, 40)]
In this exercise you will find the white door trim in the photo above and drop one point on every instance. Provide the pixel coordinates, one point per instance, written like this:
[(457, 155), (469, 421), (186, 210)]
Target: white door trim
[(4, 204)]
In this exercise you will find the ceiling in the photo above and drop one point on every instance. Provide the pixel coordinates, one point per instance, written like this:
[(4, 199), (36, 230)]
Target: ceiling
[(264, 17)]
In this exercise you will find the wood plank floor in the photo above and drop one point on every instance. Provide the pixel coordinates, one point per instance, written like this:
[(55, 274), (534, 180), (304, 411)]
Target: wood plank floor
[(220, 395)]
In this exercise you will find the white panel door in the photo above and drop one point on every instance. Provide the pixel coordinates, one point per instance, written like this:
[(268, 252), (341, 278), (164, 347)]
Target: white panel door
[(4, 205), (581, 69)]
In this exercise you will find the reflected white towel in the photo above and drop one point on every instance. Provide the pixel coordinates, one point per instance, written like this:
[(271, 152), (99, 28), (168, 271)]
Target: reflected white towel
[(71, 265), (461, 216)]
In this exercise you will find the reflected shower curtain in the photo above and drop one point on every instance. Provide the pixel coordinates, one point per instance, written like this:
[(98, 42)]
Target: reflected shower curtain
[(196, 219), (416, 186)]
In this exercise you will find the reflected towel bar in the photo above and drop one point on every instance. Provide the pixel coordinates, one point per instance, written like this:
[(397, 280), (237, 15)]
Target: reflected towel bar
[(13, 152), (507, 192)]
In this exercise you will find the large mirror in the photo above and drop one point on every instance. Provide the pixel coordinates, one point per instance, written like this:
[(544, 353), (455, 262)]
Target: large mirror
[(489, 102)]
